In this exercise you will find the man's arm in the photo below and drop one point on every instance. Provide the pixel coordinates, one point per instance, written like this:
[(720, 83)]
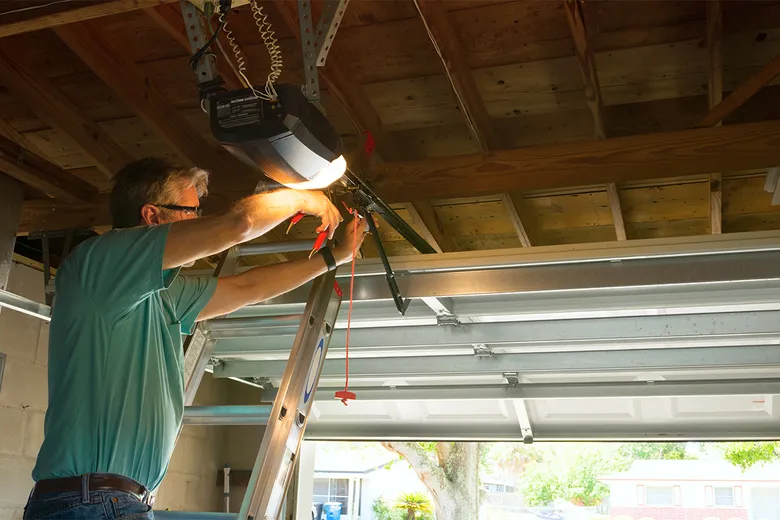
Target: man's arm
[(189, 240), (263, 283)]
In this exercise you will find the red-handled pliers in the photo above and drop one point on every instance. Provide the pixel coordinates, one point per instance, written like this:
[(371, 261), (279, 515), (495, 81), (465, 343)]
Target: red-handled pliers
[(321, 237)]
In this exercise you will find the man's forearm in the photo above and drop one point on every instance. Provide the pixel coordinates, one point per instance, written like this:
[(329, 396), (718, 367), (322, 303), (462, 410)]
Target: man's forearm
[(249, 218), (261, 283)]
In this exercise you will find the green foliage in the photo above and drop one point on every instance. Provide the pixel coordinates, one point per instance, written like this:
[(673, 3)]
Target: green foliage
[(570, 472), (748, 454), (413, 504), (383, 511), (654, 451)]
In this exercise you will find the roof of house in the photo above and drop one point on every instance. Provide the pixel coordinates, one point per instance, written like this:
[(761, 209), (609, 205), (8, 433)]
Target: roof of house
[(342, 459), (694, 470)]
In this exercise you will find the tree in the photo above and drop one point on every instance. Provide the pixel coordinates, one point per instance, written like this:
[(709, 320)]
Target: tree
[(748, 454), (570, 472), (450, 471), (413, 503), (654, 451)]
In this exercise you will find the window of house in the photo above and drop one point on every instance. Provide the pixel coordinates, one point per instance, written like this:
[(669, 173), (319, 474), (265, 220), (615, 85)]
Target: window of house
[(724, 496), (659, 496), (332, 490)]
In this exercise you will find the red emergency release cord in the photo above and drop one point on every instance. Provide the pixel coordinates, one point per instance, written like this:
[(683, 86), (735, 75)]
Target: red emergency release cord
[(345, 394)]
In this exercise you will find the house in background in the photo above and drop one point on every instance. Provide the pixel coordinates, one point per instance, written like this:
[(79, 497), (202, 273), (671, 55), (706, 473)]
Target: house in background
[(357, 477), (694, 490)]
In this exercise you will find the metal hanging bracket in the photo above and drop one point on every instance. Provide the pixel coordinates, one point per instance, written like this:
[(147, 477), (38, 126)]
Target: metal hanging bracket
[(316, 44)]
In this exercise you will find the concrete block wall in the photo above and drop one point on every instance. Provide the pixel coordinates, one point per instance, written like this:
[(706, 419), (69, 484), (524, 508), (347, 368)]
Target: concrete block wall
[(190, 484), (23, 393)]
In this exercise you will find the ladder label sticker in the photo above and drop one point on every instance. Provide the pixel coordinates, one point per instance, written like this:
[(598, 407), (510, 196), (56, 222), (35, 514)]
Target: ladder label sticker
[(314, 370)]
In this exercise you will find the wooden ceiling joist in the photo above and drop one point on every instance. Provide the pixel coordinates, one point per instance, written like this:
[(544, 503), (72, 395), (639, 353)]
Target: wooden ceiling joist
[(134, 87), (514, 217), (433, 230), (715, 96), (54, 108), (621, 159), (42, 175), (53, 15), (577, 20), (740, 95), (349, 94), (445, 42), (171, 21)]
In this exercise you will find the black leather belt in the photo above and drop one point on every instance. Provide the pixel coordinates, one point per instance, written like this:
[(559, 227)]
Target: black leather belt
[(96, 482)]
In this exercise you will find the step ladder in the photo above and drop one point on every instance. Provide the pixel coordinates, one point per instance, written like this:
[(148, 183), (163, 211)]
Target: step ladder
[(278, 454)]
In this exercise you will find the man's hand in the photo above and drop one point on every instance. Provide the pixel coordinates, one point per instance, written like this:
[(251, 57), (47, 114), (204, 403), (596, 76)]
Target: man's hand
[(317, 204), (344, 251)]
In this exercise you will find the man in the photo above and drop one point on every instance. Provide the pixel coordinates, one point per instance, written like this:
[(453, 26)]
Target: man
[(115, 350)]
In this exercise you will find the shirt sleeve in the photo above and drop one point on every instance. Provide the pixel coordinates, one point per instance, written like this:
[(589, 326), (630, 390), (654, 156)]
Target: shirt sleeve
[(123, 267), (189, 295)]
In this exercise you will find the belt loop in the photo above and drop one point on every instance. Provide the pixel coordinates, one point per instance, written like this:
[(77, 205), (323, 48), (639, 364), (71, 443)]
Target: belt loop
[(85, 488)]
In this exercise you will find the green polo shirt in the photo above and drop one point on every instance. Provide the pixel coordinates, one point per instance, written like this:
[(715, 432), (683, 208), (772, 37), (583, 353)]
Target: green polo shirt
[(116, 392)]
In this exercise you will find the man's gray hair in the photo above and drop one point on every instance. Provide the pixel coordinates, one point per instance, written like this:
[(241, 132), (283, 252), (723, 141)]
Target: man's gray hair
[(151, 180)]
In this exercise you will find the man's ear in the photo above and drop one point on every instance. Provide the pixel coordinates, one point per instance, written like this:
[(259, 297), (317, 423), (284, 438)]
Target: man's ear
[(150, 215)]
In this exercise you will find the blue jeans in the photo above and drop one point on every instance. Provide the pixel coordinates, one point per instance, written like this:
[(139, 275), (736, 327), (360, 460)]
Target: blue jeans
[(92, 505)]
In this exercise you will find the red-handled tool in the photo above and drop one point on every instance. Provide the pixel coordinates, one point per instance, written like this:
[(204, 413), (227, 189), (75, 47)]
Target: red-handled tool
[(321, 237), (296, 218)]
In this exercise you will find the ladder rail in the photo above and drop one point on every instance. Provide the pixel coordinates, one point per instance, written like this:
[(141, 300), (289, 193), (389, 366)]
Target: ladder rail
[(281, 443)]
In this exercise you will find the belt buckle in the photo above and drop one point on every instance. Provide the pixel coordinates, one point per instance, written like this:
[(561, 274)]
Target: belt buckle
[(148, 498)]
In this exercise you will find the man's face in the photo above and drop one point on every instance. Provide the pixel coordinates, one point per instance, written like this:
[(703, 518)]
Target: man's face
[(188, 207)]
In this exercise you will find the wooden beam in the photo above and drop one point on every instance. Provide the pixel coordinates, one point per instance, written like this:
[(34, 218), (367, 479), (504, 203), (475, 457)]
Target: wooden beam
[(617, 211), (590, 79), (622, 159), (445, 42), (715, 96), (170, 20), (587, 62), (431, 227), (349, 95), (134, 87), (43, 215), (54, 16), (9, 132), (514, 217), (42, 175), (54, 108), (742, 93)]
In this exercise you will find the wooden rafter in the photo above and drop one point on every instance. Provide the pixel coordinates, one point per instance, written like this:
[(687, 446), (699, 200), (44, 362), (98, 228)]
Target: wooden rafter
[(433, 231), (590, 79), (514, 217), (30, 85), (46, 214), (445, 42), (132, 85), (42, 175), (621, 159), (54, 16), (9, 132), (348, 94), (171, 21), (740, 95), (715, 96)]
